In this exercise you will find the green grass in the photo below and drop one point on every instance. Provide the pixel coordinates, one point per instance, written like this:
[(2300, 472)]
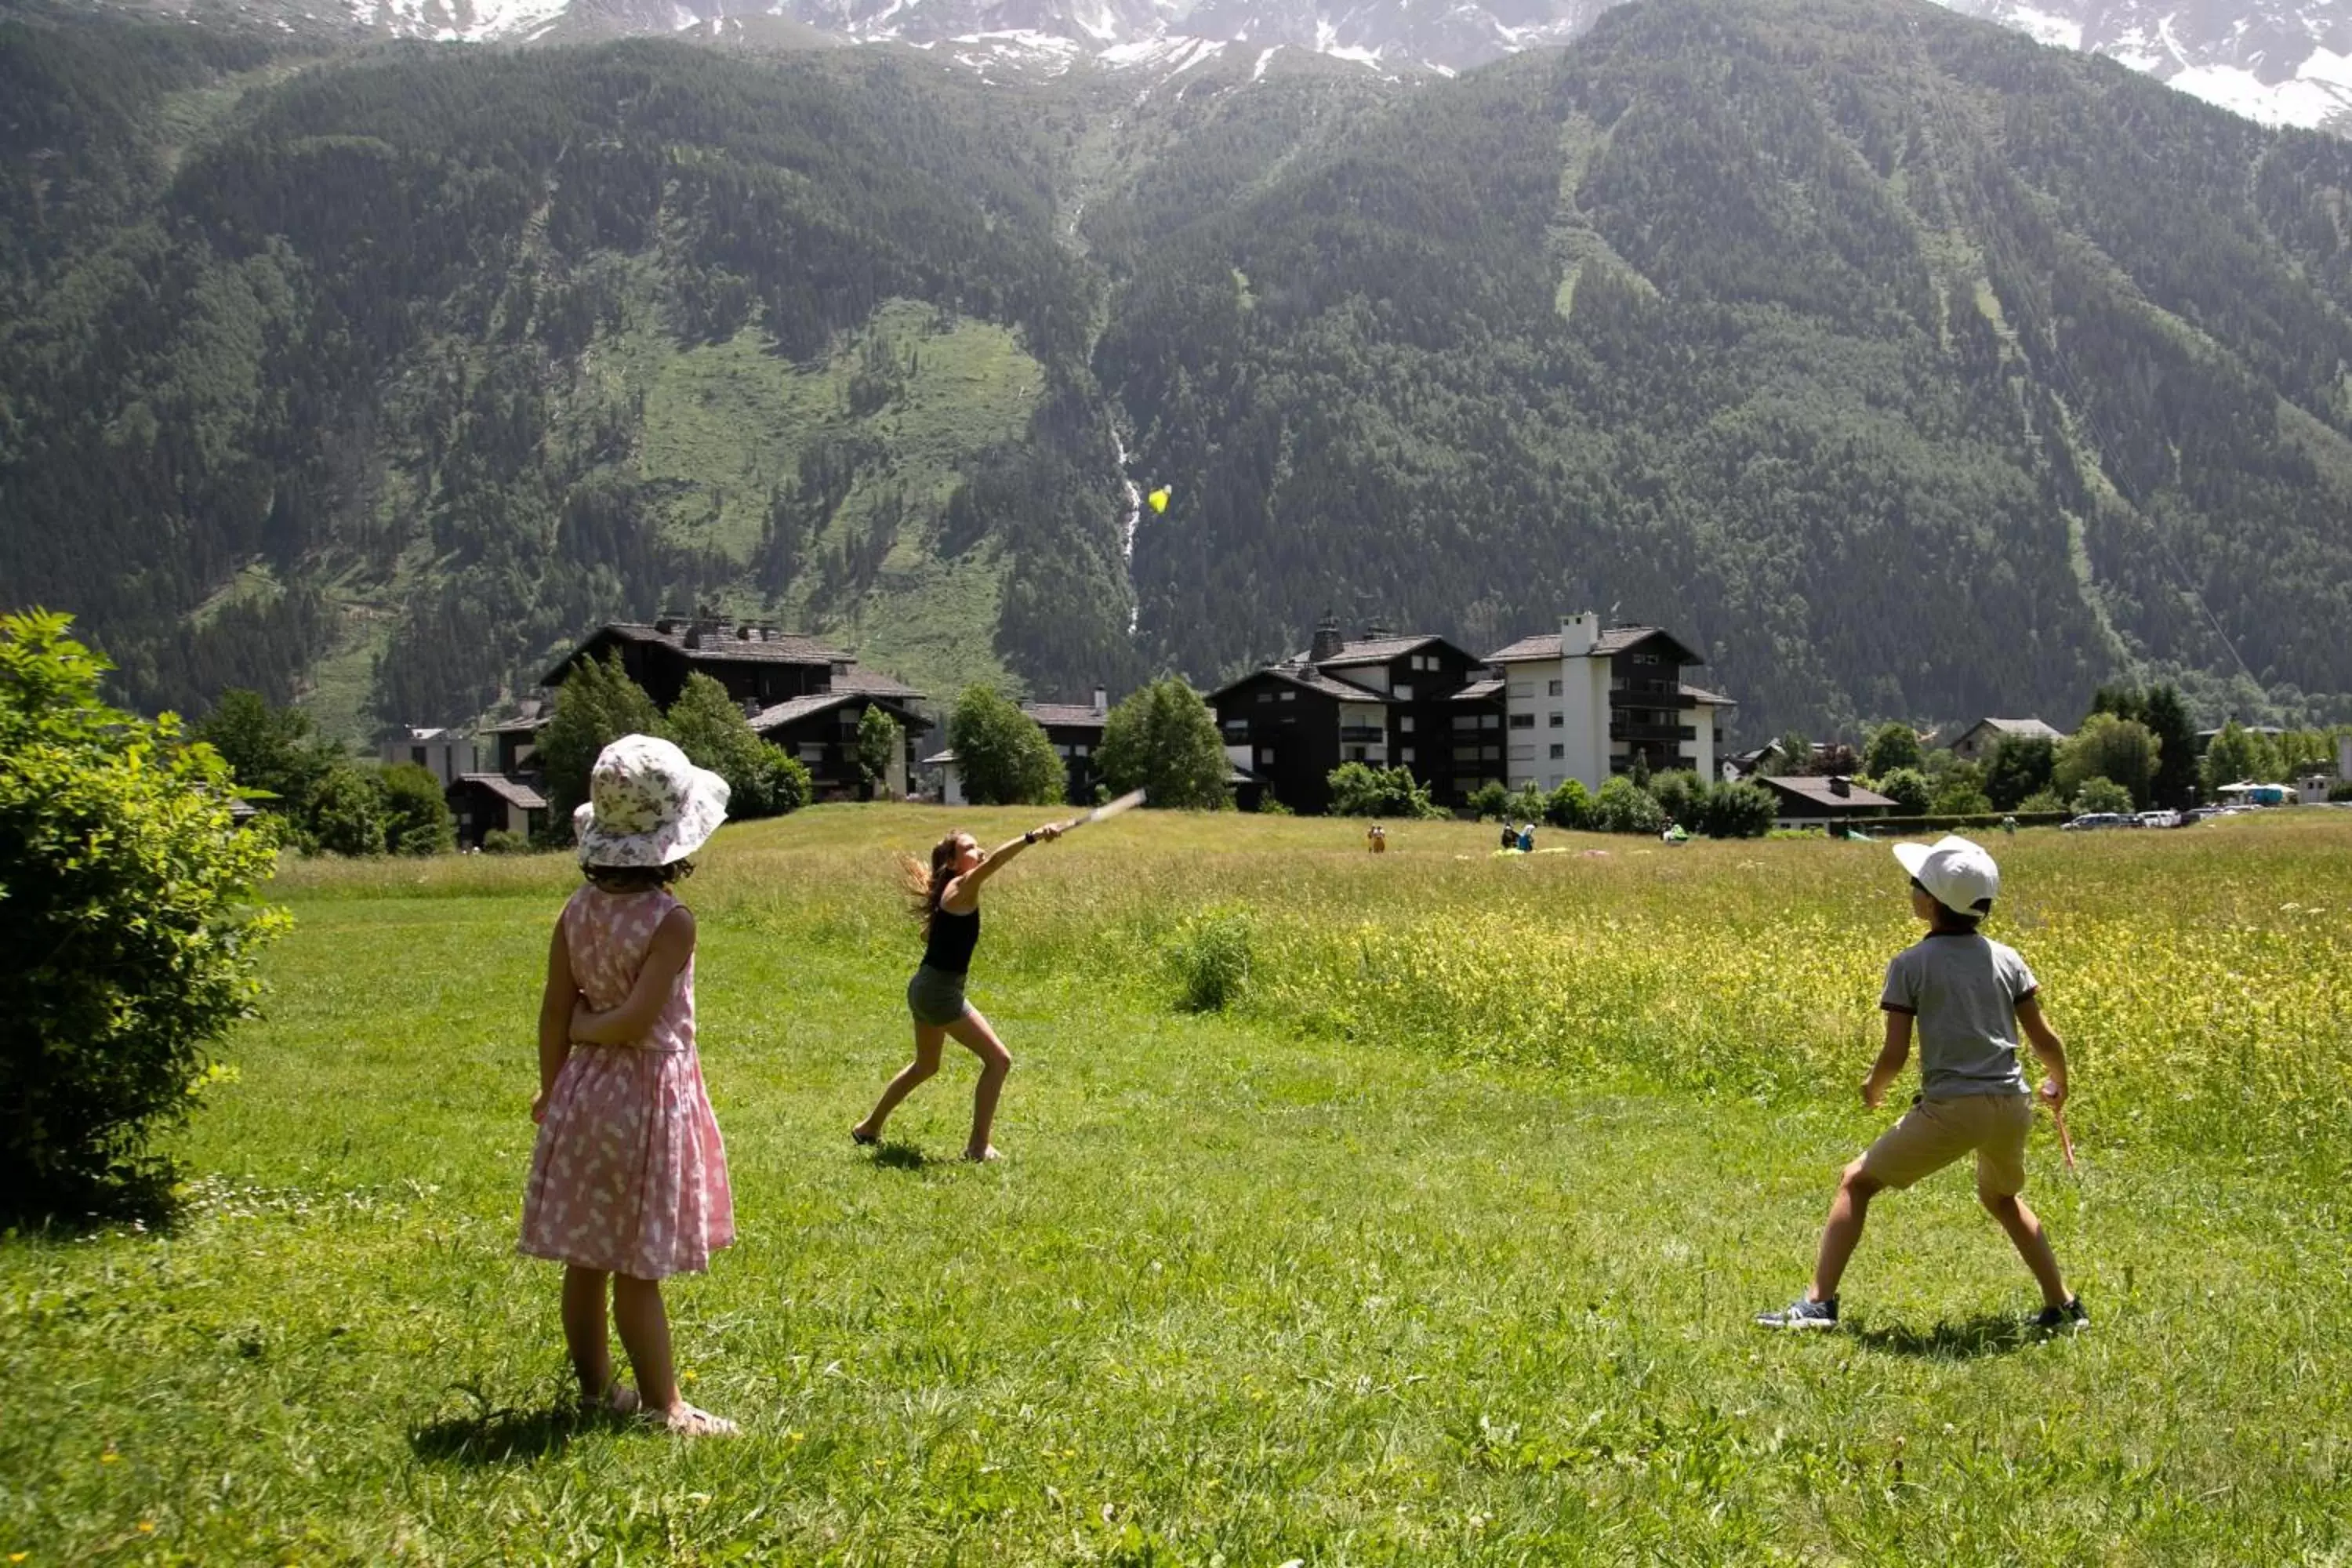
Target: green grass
[(1276, 1284)]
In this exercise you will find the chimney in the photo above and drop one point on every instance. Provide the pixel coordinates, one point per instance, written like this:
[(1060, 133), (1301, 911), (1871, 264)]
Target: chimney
[(1376, 630), (1579, 633), (750, 708), (1328, 641), (1102, 701), (1840, 786)]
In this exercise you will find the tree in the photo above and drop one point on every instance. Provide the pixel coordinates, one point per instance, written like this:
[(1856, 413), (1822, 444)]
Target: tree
[(2108, 747), (880, 743), (1003, 754), (781, 784), (1569, 807), (1907, 788), (1741, 810), (710, 728), (416, 819), (595, 706), (2232, 758), (1796, 753), (1892, 746), (1960, 796), (1680, 793), (1622, 806), (1490, 800), (1640, 771), (2019, 767), (2096, 794), (1357, 790), (268, 749), (347, 812), (127, 932), (1163, 739), (2167, 718)]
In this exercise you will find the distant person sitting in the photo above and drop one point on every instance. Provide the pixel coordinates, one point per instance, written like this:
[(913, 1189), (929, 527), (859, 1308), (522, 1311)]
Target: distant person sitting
[(1376, 840), (1527, 838), (1510, 836)]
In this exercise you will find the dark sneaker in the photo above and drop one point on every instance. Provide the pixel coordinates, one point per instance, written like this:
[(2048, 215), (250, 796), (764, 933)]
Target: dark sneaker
[(1802, 1313), (2070, 1317)]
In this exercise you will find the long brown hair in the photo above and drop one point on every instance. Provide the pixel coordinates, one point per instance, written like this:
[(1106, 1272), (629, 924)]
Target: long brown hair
[(924, 888)]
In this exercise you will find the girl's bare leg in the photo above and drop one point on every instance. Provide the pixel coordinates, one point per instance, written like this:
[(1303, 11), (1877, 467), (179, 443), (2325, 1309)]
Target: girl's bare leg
[(638, 1313), (972, 1033), (584, 1330), (929, 1039)]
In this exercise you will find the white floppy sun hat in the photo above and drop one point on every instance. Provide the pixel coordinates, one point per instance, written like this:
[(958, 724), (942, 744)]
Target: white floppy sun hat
[(1957, 872), (647, 805)]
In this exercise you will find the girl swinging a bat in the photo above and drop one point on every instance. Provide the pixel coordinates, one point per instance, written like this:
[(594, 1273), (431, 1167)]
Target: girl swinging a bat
[(946, 899)]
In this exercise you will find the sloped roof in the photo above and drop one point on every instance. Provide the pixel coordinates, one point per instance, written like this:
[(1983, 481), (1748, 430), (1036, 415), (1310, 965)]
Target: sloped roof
[(1815, 787), (874, 683), (2021, 729), (1375, 650), (1478, 691), (1313, 679), (800, 707), (732, 643), (1069, 715), (1614, 641), (514, 791), (1704, 695)]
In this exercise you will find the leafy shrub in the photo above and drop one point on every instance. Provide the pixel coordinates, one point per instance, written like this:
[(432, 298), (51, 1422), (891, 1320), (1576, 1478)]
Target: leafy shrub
[(1527, 802), (1892, 746), (2340, 791), (1357, 790), (1211, 958), (1489, 801), (2043, 801), (1680, 793), (1623, 806), (2019, 769), (1739, 811), (1569, 807), (500, 841), (416, 819), (780, 783), (1001, 753), (1163, 739), (2097, 794), (347, 812), (1908, 789), (127, 938), (1961, 799), (1269, 806)]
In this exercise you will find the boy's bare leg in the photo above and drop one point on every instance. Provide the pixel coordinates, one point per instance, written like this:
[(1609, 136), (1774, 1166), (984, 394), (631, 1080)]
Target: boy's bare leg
[(2024, 1229), (1848, 1213)]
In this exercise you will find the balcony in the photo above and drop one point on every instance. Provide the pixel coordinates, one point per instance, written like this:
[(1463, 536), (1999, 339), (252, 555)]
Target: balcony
[(1362, 735), (1639, 732)]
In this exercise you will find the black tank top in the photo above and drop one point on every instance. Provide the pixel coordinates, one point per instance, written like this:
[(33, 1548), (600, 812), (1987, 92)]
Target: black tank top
[(952, 937)]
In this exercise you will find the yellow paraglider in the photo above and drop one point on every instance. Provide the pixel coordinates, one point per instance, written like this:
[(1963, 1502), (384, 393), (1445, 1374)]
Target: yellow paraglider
[(1158, 499)]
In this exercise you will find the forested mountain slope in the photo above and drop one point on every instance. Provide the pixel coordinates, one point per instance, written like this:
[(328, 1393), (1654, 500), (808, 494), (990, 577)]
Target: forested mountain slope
[(1908, 367)]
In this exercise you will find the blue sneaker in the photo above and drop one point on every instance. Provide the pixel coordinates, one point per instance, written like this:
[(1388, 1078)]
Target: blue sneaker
[(1802, 1313)]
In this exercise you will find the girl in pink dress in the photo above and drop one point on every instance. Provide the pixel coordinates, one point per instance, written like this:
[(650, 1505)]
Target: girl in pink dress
[(629, 1179)]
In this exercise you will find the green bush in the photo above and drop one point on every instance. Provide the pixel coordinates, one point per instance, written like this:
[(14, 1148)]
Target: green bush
[(1489, 801), (1623, 806), (126, 936), (780, 783), (1163, 739), (347, 812), (500, 841), (416, 819), (2042, 802), (1211, 958), (1269, 806), (1908, 789), (1739, 811), (1527, 802), (2097, 794), (2340, 791), (1680, 793), (1357, 790), (1002, 753), (1569, 807)]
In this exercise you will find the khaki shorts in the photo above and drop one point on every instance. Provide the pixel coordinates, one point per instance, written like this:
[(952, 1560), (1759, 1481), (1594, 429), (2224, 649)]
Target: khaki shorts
[(1934, 1132)]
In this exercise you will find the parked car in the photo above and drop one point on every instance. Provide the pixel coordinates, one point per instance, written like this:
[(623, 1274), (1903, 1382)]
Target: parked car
[(2159, 819), (2091, 819)]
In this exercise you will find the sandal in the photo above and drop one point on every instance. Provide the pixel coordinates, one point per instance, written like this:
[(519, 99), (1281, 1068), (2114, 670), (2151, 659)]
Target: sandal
[(686, 1421)]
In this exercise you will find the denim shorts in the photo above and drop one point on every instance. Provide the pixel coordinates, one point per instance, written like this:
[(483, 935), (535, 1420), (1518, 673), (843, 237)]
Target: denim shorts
[(936, 997)]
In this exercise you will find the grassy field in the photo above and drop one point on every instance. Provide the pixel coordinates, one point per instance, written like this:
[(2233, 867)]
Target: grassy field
[(1438, 1243)]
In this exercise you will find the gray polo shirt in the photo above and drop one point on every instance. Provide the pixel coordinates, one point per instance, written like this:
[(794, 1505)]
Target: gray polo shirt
[(1964, 991)]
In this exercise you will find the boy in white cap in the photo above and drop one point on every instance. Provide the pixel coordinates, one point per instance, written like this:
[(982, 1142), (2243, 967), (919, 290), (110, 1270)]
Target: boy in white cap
[(1969, 997)]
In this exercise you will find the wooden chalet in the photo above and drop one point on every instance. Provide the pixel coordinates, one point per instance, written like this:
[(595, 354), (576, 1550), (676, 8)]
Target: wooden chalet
[(1382, 700), (821, 730), (486, 803), (1815, 800), (1075, 729), (752, 660), (1977, 742)]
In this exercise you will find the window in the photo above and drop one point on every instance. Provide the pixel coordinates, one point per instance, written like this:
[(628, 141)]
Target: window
[(1523, 753), (1405, 724), (1646, 658), (1490, 753), (1265, 756), (1467, 720), (1558, 721), (1523, 721), (1289, 695), (1404, 693), (1558, 751), (1405, 754), (1552, 687), (1355, 754), (1489, 721), (416, 755), (812, 750), (1268, 696), (1080, 750)]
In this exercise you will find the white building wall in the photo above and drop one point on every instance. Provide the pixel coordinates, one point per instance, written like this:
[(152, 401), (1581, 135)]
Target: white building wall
[(1702, 719)]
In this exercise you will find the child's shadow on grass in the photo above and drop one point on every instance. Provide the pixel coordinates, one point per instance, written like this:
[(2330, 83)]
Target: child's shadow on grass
[(1986, 1334), (900, 1157), (504, 1436)]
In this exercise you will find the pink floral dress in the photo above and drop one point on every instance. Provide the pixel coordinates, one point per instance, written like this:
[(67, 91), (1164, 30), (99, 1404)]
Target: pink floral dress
[(629, 1175)]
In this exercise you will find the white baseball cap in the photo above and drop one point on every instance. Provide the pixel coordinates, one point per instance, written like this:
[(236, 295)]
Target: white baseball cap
[(1957, 872)]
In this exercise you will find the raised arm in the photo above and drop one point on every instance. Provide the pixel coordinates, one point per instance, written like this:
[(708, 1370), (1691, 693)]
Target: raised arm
[(555, 1007), (1891, 1058), (2047, 1046), (962, 893), (625, 1025)]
